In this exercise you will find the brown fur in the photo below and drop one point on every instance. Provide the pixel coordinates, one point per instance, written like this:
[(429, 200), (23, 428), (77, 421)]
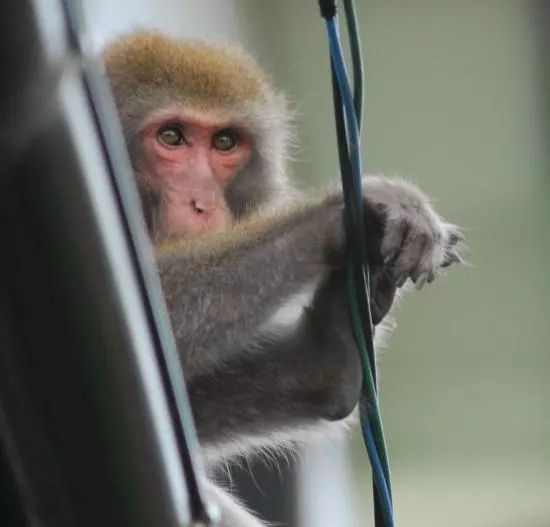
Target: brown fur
[(203, 73)]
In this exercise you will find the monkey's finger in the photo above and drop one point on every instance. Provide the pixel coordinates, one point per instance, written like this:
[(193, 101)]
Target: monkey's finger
[(395, 235), (455, 235), (382, 296), (409, 260), (452, 257)]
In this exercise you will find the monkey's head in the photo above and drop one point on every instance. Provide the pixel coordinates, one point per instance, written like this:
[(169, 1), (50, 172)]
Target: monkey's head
[(206, 132)]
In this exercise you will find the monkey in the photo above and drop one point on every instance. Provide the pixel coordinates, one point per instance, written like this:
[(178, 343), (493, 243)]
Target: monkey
[(236, 244)]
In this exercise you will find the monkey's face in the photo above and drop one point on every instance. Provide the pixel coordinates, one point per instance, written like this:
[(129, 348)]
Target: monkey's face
[(185, 160)]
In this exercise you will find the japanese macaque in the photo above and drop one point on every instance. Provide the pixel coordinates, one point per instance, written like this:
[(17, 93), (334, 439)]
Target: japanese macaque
[(208, 137)]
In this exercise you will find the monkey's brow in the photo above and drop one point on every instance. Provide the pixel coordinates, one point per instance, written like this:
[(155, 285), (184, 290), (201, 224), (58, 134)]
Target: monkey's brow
[(224, 121)]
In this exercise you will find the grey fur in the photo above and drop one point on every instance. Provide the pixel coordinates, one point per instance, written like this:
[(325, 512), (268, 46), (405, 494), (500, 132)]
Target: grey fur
[(221, 292), (253, 386)]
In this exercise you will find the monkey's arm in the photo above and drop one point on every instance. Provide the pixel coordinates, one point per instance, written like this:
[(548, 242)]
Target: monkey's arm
[(298, 380), (221, 288)]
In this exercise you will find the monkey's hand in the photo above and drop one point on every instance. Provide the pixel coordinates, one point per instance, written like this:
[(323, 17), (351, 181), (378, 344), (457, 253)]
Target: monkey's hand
[(407, 239)]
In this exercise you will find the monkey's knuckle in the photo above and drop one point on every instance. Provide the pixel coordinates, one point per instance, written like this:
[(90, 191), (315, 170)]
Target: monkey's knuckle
[(425, 239), (438, 239)]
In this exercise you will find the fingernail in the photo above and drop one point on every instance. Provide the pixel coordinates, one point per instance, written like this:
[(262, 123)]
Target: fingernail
[(456, 237), (421, 281)]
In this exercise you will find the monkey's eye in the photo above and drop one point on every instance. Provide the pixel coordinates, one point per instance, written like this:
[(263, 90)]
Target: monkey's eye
[(171, 135), (225, 140)]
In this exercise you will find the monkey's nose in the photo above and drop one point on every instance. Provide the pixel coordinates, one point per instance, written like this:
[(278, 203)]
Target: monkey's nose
[(202, 206), (198, 207)]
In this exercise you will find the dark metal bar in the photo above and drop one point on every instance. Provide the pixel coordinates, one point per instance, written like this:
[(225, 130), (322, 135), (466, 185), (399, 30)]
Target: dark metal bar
[(91, 395)]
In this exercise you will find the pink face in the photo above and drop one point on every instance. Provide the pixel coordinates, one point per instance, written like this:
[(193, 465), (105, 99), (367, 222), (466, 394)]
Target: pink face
[(189, 159)]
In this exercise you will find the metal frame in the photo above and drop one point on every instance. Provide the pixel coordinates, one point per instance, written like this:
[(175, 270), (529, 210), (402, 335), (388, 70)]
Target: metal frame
[(92, 399)]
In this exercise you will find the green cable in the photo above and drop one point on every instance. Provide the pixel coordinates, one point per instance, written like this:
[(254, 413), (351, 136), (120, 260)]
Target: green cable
[(369, 377), (358, 279), (369, 388), (356, 59)]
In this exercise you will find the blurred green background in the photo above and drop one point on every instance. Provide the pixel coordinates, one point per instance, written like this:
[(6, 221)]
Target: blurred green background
[(457, 102)]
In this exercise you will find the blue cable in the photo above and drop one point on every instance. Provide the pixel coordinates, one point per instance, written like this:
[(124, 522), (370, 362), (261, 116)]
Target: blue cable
[(349, 111), (379, 477), (380, 471)]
